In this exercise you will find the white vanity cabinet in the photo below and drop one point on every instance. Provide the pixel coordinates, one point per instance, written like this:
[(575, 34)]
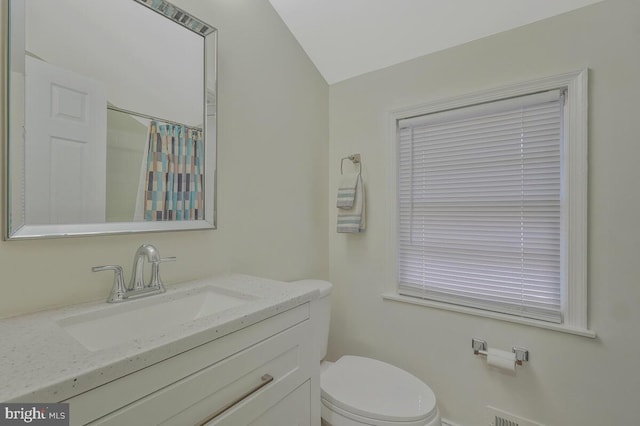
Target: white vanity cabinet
[(262, 374)]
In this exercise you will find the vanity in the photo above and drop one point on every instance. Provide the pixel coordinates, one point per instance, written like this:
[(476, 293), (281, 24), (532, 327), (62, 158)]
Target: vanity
[(231, 350)]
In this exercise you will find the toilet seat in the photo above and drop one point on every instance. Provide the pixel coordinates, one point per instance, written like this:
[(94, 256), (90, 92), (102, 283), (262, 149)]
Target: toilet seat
[(364, 388)]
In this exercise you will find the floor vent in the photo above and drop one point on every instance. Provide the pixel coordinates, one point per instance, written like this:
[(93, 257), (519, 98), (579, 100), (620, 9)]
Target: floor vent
[(502, 418), (501, 421)]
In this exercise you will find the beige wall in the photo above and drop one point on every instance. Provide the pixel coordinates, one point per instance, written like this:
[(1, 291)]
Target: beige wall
[(272, 178), (570, 380)]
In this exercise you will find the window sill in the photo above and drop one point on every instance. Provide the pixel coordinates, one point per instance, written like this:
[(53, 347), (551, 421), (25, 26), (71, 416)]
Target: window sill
[(487, 314)]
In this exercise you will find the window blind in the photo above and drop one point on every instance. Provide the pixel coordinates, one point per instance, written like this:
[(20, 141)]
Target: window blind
[(479, 193)]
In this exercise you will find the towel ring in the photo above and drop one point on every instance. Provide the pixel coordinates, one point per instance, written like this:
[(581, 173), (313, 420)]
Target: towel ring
[(355, 159)]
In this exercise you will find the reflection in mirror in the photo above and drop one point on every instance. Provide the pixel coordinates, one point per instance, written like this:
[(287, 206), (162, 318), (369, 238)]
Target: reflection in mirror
[(111, 118)]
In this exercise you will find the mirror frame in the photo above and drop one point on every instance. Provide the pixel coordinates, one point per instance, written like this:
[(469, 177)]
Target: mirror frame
[(25, 231)]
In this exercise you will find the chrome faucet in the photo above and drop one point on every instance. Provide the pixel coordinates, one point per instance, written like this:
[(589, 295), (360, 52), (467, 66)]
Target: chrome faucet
[(137, 286)]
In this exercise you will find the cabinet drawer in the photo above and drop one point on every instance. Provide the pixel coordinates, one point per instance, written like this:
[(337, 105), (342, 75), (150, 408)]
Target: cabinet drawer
[(284, 357), (106, 399), (293, 410)]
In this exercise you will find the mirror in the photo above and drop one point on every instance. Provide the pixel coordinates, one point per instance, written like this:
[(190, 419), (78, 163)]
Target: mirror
[(111, 118)]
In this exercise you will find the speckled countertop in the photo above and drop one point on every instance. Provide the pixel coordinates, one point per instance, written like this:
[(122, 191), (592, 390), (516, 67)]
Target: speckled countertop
[(41, 362)]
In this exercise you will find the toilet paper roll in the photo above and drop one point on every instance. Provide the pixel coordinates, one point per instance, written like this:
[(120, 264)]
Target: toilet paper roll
[(501, 359)]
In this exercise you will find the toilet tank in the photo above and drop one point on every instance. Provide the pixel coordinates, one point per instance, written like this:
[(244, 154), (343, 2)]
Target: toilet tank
[(320, 314)]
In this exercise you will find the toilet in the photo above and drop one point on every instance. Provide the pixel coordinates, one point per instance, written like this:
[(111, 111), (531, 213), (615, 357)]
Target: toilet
[(358, 391)]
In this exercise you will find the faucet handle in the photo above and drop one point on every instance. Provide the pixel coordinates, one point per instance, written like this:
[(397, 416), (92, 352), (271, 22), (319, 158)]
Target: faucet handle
[(155, 281), (118, 290)]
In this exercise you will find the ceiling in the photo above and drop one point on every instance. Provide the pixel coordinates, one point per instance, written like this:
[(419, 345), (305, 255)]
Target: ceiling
[(346, 38)]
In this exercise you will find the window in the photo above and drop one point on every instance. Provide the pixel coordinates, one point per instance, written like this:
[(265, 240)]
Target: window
[(491, 212)]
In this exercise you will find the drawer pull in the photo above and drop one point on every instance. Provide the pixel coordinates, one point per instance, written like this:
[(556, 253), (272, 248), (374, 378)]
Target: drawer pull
[(264, 381)]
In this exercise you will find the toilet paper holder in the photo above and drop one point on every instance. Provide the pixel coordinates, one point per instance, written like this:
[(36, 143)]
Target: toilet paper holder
[(480, 347)]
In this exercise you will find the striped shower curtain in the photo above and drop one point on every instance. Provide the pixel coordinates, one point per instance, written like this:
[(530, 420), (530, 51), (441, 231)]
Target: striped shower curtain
[(175, 173)]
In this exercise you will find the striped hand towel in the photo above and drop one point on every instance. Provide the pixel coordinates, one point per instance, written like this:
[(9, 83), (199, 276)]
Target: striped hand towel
[(347, 191), (352, 220)]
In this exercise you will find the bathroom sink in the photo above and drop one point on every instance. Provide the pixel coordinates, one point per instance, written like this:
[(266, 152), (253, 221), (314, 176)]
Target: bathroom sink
[(148, 317)]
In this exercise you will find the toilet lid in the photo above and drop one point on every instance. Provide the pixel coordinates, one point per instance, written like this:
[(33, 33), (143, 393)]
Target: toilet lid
[(376, 390)]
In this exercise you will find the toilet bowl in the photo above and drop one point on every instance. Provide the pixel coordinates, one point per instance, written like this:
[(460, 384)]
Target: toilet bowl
[(358, 391), (364, 391)]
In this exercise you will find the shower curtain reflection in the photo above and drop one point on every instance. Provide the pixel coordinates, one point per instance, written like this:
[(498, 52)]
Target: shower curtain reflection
[(175, 175)]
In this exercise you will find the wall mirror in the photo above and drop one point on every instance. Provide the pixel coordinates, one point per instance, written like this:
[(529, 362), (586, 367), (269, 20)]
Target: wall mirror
[(111, 118)]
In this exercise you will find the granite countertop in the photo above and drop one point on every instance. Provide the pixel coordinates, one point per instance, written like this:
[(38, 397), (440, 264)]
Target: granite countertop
[(41, 362)]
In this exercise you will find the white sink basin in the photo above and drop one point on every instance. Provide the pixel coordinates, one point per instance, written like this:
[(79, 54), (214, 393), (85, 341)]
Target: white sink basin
[(151, 316)]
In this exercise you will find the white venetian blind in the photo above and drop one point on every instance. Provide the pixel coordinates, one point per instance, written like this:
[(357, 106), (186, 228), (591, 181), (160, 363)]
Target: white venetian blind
[(480, 206)]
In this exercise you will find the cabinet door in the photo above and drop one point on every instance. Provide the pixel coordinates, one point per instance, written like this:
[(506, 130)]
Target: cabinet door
[(292, 410)]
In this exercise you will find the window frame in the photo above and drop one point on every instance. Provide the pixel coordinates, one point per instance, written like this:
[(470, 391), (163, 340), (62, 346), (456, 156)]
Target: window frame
[(574, 291)]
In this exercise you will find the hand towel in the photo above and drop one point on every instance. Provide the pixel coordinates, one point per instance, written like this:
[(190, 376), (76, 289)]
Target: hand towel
[(347, 190), (352, 220)]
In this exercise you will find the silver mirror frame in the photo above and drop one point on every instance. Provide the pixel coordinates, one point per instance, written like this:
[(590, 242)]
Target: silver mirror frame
[(18, 230)]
